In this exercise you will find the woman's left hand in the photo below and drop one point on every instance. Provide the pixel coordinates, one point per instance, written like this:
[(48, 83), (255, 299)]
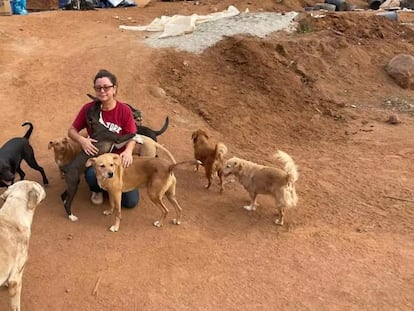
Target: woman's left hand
[(126, 158)]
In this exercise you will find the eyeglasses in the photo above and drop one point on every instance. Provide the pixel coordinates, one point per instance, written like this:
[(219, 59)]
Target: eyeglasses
[(106, 88)]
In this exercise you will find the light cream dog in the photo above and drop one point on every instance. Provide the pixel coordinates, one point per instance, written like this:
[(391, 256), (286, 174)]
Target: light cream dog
[(147, 147), (65, 150), (260, 179), (153, 173), (16, 217)]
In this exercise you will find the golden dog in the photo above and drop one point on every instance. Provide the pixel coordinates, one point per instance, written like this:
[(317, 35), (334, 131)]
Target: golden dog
[(210, 155), (65, 150), (16, 217), (154, 173), (260, 179)]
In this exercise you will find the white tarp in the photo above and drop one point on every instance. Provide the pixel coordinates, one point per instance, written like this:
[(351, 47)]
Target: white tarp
[(178, 25), (115, 3)]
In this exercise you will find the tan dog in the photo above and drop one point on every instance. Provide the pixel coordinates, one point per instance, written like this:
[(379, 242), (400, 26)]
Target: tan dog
[(260, 179), (65, 150), (210, 155), (154, 173), (16, 217)]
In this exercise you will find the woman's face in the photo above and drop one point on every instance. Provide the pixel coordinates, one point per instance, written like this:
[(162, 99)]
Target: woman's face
[(104, 89)]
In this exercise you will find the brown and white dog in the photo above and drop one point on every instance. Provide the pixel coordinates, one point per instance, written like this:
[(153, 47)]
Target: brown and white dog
[(260, 179), (65, 150), (211, 155), (16, 217), (153, 173)]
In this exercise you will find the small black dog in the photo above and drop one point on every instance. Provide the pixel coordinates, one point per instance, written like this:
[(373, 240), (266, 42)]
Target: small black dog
[(146, 131), (11, 155)]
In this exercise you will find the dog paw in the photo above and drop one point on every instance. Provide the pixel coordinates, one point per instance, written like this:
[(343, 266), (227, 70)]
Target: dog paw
[(250, 207), (279, 222), (107, 212), (176, 222), (73, 217), (157, 224), (113, 228)]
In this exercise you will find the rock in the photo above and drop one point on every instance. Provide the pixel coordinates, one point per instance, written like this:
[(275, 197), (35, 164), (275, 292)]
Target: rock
[(157, 92), (401, 69), (393, 119)]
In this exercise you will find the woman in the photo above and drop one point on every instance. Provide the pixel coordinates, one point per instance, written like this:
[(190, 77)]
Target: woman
[(117, 117)]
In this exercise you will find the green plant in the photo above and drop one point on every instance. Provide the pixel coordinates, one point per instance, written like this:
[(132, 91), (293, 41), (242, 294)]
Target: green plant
[(304, 27)]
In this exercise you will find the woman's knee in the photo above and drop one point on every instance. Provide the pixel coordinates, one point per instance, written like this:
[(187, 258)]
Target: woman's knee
[(91, 180), (130, 199)]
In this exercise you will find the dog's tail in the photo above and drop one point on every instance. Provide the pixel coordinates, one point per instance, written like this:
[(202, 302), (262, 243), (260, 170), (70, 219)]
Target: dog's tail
[(159, 146), (288, 166), (164, 127), (29, 131), (188, 162), (220, 151), (291, 170)]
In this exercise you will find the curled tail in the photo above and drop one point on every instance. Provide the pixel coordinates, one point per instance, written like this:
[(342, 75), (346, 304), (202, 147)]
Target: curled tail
[(191, 162), (289, 194), (288, 166), (159, 146), (164, 127), (220, 151), (29, 131)]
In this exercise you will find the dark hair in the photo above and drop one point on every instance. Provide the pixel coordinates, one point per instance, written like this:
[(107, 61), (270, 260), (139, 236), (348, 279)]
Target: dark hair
[(103, 73)]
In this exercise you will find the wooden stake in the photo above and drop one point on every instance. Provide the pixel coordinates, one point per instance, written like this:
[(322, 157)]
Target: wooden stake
[(399, 199), (95, 289)]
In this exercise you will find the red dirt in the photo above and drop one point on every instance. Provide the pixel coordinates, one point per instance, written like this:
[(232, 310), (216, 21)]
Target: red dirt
[(320, 95)]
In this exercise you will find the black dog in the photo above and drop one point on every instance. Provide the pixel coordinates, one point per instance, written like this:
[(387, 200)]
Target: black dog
[(141, 129), (11, 155), (146, 131), (73, 170)]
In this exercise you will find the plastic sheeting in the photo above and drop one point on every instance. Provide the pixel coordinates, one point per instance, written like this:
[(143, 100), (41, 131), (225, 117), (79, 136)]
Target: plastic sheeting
[(178, 25)]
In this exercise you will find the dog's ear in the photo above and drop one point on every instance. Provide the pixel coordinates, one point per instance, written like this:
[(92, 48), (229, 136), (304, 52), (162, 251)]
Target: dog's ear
[(33, 199), (205, 134), (117, 159), (50, 145), (5, 194), (90, 162)]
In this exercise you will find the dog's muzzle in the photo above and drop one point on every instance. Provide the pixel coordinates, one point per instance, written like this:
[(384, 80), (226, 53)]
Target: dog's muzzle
[(109, 175), (227, 172)]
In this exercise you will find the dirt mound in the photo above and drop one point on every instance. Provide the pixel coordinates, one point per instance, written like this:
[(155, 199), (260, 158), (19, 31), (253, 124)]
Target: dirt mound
[(283, 85)]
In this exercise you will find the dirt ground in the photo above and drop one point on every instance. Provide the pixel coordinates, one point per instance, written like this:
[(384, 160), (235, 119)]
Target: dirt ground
[(322, 95)]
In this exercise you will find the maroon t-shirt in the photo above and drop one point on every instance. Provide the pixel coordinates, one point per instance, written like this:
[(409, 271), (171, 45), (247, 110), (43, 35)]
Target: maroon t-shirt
[(118, 120)]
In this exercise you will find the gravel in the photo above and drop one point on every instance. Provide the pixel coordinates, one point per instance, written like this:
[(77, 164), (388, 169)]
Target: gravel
[(208, 33)]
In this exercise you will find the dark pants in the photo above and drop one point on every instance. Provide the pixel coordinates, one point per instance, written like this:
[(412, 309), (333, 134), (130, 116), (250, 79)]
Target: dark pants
[(129, 199)]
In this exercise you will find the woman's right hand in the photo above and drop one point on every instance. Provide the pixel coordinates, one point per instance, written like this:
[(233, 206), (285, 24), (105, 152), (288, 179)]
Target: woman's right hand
[(88, 146)]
